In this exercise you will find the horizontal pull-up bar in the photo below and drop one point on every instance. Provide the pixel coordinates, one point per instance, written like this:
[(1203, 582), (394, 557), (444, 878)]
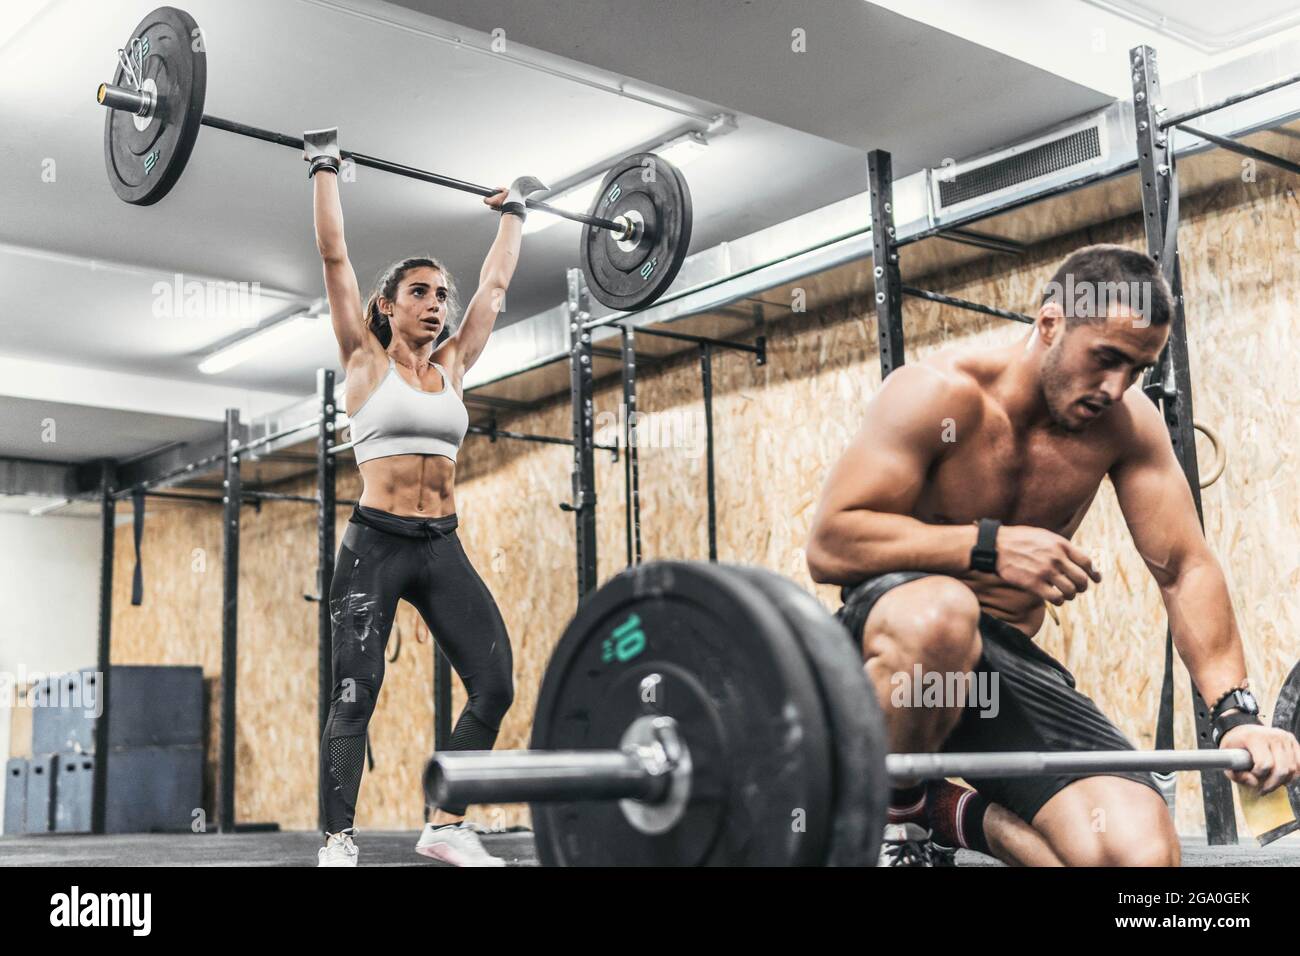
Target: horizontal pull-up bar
[(1235, 147), (1229, 101), (967, 304)]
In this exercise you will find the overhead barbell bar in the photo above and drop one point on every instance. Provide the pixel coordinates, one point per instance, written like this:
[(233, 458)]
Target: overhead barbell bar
[(635, 236), (139, 104)]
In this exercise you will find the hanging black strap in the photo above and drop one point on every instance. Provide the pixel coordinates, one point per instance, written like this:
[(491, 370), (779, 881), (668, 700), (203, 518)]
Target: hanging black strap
[(1165, 719), (1169, 251), (1159, 387), (137, 579), (1158, 383)]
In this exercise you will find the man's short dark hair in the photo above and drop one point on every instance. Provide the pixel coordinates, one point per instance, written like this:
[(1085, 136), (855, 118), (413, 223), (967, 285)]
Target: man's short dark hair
[(1096, 278)]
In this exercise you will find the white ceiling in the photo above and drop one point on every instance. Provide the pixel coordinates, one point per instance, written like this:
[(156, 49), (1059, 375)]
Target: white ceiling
[(867, 77), (416, 82)]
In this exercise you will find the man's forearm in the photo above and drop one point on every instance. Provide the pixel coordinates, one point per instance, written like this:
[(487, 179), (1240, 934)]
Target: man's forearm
[(858, 544), (1205, 629)]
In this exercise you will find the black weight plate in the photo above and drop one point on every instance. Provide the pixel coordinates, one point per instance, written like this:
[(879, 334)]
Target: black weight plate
[(144, 164), (858, 729), (630, 279), (748, 709), (1286, 714)]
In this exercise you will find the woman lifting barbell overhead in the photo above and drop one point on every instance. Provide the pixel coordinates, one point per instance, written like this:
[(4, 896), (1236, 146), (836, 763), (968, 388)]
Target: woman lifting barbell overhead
[(403, 395)]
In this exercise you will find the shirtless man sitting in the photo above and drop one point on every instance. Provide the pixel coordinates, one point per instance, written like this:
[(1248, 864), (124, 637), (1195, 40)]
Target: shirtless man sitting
[(948, 520)]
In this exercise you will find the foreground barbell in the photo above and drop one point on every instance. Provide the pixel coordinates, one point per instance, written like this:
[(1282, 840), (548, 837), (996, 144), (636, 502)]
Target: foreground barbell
[(644, 773), (704, 713), (634, 240)]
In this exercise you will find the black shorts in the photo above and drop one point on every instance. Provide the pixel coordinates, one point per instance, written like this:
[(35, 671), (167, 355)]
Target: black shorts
[(1037, 705)]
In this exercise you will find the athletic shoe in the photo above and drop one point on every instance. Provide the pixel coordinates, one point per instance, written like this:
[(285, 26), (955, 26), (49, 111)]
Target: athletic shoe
[(339, 850), (906, 844), (455, 844)]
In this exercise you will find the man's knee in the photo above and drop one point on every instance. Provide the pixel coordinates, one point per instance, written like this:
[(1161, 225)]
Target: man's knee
[(1121, 829), (1153, 850), (939, 623), (1145, 836), (1158, 850)]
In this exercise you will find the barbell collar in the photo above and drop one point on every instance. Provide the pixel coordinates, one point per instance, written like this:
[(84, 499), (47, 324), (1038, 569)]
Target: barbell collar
[(137, 102), (974, 766)]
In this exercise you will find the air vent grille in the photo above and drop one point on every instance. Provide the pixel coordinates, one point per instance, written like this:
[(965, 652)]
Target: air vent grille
[(1078, 147)]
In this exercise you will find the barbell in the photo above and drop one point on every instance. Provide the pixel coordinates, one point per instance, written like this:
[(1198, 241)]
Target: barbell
[(634, 239), (699, 713)]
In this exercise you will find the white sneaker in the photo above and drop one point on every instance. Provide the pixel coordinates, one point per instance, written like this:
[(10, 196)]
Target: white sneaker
[(339, 850), (456, 845)]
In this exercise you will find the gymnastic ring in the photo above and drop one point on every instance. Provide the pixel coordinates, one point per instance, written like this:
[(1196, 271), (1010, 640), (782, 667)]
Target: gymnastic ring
[(1220, 453)]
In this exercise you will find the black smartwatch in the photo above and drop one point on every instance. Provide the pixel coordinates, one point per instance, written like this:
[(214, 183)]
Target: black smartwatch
[(1245, 710), (984, 556)]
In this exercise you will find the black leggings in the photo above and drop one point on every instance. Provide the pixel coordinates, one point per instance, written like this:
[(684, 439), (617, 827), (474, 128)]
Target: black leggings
[(384, 558)]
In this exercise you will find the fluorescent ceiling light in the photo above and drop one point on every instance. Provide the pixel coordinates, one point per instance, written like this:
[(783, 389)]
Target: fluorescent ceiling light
[(680, 151), (574, 199), (259, 343), (684, 150), (1210, 27)]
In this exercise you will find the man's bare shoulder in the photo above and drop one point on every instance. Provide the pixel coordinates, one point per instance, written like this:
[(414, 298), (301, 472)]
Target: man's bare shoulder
[(1136, 426), (952, 378)]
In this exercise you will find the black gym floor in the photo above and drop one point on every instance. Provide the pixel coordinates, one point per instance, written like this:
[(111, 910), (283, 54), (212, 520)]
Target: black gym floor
[(396, 849)]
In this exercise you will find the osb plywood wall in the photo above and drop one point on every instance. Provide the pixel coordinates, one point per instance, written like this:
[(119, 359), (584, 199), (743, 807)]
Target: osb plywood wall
[(778, 430)]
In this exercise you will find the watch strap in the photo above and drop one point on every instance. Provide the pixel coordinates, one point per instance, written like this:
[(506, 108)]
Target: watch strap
[(984, 556)]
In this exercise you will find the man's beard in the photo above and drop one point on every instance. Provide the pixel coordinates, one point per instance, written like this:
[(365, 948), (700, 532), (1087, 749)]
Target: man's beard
[(1054, 385), (1062, 424)]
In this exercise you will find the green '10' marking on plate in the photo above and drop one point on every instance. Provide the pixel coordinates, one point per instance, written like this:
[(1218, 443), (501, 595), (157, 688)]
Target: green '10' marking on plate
[(625, 642)]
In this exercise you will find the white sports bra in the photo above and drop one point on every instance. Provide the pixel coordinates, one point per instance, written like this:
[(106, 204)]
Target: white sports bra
[(400, 419)]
